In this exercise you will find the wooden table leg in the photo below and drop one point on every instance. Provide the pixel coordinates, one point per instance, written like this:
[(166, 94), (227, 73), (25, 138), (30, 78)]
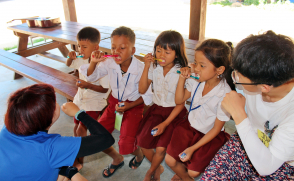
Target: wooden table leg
[(63, 49), (22, 45)]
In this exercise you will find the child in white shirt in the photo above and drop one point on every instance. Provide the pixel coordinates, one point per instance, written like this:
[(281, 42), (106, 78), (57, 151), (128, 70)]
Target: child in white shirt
[(262, 148), (90, 97), (194, 143)]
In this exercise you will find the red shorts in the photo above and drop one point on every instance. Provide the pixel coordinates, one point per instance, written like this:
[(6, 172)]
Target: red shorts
[(185, 136), (130, 123), (153, 117), (93, 114)]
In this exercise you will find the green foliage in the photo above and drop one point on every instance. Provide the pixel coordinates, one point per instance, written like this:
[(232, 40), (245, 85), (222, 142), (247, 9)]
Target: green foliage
[(224, 3), (250, 2), (15, 46)]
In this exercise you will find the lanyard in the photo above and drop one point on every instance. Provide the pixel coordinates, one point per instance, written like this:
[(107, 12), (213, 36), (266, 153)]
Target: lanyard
[(191, 109), (119, 100)]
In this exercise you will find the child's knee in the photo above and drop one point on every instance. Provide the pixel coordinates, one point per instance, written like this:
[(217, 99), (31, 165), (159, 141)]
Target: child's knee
[(160, 150), (81, 131), (193, 174), (170, 161)]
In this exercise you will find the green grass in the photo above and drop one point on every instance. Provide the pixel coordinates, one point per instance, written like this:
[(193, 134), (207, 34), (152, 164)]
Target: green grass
[(15, 46), (224, 3)]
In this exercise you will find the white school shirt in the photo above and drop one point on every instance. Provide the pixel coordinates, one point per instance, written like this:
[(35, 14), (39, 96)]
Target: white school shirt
[(281, 147), (203, 118), (164, 87), (112, 69), (88, 99)]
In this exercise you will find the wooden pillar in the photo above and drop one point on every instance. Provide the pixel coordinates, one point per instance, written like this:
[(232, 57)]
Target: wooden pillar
[(197, 19), (69, 10)]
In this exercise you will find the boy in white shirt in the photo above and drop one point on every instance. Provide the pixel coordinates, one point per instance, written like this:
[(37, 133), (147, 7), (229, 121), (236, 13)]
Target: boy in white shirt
[(124, 72), (262, 148), (90, 96)]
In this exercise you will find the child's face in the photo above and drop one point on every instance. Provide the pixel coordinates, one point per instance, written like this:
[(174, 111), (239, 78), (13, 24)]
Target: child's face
[(123, 47), (168, 56), (203, 67), (86, 47)]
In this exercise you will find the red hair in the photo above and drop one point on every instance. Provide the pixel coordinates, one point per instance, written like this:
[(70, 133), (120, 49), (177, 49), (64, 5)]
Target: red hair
[(30, 109)]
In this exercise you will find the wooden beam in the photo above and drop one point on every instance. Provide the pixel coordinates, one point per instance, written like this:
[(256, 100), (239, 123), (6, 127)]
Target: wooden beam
[(52, 56), (69, 10), (197, 19), (39, 48)]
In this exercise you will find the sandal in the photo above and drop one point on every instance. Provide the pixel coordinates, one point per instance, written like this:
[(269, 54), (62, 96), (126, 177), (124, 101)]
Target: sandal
[(135, 164), (110, 166)]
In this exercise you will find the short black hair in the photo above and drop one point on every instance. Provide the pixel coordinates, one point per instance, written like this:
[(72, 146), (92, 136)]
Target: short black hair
[(125, 31), (175, 41), (89, 33), (267, 58)]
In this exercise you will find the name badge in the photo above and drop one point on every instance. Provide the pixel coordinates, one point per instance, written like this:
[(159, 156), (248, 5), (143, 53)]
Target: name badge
[(118, 120), (263, 137)]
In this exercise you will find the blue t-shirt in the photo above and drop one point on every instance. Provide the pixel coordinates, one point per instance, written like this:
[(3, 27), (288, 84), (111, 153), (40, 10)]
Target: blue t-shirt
[(35, 157)]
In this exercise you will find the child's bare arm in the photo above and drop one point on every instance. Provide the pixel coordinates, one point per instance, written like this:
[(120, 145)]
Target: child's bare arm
[(144, 82), (175, 112), (96, 57), (182, 94), (218, 125), (86, 85), (72, 56)]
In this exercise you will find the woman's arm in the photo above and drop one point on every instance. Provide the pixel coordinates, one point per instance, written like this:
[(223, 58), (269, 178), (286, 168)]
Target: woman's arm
[(218, 125)]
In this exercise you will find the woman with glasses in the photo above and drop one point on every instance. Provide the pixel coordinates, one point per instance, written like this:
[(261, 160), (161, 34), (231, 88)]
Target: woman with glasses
[(263, 146)]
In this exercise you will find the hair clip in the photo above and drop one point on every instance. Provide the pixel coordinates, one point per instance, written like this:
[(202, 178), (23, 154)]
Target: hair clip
[(142, 54), (110, 55), (194, 77)]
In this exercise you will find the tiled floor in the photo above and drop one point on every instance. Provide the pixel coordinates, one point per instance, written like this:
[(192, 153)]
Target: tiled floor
[(94, 164)]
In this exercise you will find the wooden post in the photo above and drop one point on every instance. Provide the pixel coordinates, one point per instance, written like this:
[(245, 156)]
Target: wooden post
[(197, 19), (22, 45), (69, 10)]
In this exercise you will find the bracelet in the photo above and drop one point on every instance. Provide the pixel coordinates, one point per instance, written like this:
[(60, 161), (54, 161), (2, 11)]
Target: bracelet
[(77, 114)]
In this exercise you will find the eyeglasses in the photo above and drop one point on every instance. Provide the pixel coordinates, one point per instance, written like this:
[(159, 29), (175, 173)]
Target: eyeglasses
[(235, 78)]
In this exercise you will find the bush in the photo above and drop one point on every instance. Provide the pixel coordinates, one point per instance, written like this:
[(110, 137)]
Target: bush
[(250, 2), (224, 3)]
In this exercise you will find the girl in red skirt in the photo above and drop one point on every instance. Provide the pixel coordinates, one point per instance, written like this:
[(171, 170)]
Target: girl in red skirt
[(158, 123), (195, 142)]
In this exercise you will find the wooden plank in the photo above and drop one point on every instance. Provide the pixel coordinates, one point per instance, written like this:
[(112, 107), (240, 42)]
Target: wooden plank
[(63, 49), (69, 10), (52, 56), (40, 67), (40, 48), (197, 19), (64, 88)]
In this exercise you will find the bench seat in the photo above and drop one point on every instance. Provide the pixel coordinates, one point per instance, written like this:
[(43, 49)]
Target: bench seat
[(63, 83)]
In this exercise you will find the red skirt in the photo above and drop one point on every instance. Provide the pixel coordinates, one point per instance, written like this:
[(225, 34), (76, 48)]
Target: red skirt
[(185, 136), (153, 117), (129, 126)]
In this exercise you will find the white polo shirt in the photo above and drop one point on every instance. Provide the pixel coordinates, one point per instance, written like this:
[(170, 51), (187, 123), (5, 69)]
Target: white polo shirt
[(281, 147), (164, 87), (88, 99), (112, 69), (203, 118)]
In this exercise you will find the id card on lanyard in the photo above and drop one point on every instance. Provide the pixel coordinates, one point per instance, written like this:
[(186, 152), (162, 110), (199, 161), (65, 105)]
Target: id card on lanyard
[(119, 116), (190, 108)]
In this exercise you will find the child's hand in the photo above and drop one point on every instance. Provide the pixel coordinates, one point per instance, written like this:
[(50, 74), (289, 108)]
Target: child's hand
[(160, 129), (185, 72), (189, 152), (70, 108), (97, 56), (234, 103), (124, 108), (72, 55), (82, 84), (148, 59)]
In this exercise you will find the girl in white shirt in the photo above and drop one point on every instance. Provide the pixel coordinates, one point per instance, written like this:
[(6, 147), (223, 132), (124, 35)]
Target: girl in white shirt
[(164, 114), (263, 146), (194, 143)]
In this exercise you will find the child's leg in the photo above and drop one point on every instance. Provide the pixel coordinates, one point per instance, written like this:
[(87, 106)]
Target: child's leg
[(178, 167), (155, 158), (139, 156), (117, 158)]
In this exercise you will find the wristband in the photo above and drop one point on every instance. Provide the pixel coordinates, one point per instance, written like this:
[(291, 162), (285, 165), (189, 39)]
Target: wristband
[(68, 172), (77, 114)]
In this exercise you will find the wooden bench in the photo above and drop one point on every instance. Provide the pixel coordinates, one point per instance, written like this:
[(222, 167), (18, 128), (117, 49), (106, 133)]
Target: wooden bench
[(63, 83)]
